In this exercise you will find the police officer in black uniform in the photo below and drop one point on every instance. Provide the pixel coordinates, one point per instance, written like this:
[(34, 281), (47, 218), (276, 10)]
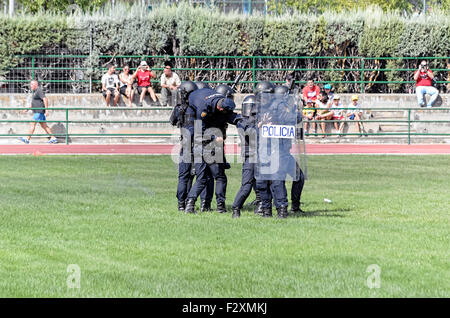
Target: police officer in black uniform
[(248, 150), (273, 187), (206, 198), (228, 92), (278, 111), (299, 179), (180, 117), (205, 204), (211, 110), (263, 87)]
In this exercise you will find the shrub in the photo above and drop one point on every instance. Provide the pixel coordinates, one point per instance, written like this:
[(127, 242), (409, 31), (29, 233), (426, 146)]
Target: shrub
[(186, 30)]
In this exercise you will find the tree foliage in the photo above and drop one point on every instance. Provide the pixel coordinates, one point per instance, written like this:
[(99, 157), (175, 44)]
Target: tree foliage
[(25, 34), (34, 6), (321, 6), (187, 30)]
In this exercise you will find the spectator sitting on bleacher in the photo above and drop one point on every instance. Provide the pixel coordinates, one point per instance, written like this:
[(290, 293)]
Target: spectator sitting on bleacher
[(144, 76), (126, 88), (310, 91), (337, 113), (110, 86), (170, 81), (323, 111), (329, 92), (424, 77), (354, 112), (308, 114)]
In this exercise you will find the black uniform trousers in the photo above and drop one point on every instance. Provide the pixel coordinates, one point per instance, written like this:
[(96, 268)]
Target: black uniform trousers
[(296, 189), (248, 182), (275, 189), (185, 179), (202, 171)]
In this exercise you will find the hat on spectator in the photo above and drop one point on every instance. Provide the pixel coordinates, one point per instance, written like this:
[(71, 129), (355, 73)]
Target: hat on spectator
[(309, 101), (337, 97), (143, 63), (354, 97), (327, 86)]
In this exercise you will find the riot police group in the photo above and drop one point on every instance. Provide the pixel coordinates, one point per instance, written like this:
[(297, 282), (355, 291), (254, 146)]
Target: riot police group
[(269, 127)]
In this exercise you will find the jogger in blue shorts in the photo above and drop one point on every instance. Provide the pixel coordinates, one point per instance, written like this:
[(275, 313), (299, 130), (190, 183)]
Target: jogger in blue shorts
[(39, 105)]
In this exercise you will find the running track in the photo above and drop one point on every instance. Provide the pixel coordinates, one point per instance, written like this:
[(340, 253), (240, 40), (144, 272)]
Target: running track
[(157, 149)]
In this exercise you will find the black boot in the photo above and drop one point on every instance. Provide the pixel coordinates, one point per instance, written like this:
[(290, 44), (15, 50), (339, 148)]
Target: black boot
[(282, 212), (205, 206), (236, 213), (257, 200), (258, 208), (181, 205), (295, 208), (221, 208), (267, 212), (190, 206)]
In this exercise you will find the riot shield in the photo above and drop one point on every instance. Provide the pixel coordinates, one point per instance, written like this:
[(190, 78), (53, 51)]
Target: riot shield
[(301, 144), (279, 138)]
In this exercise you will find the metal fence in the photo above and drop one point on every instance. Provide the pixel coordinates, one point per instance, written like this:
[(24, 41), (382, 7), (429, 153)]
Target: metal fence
[(72, 74), (228, 6), (65, 123), (274, 7)]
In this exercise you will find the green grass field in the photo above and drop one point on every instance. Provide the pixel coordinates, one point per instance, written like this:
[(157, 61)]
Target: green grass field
[(116, 218)]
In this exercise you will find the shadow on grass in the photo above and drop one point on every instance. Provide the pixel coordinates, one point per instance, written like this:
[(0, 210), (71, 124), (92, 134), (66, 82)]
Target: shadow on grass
[(325, 212), (248, 208), (318, 213)]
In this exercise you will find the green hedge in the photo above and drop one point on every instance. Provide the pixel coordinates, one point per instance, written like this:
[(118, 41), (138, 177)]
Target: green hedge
[(187, 30), (197, 31), (28, 34)]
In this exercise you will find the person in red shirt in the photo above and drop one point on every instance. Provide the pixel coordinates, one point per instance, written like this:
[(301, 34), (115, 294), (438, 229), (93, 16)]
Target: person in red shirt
[(423, 77), (310, 91), (144, 76)]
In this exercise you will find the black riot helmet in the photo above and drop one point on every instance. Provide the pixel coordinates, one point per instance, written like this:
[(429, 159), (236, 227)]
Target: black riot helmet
[(188, 87), (264, 87), (281, 90), (201, 85), (225, 90), (249, 106)]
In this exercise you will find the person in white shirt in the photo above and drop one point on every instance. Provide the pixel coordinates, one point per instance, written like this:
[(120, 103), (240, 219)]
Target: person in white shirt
[(323, 111), (126, 88), (355, 112), (170, 82), (110, 86), (337, 113)]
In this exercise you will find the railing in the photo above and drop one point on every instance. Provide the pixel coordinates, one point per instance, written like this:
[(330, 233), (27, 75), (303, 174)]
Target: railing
[(358, 73), (409, 121), (67, 121)]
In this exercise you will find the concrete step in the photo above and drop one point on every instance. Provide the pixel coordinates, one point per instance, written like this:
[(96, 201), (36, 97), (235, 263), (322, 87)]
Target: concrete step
[(394, 127), (375, 114)]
